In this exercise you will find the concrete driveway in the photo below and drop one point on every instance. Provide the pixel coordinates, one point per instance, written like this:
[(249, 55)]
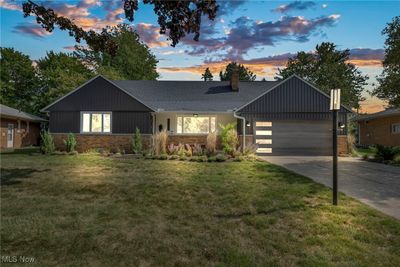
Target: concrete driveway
[(375, 184)]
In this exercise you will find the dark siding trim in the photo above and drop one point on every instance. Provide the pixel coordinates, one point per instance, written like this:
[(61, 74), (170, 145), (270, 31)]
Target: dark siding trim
[(126, 122), (122, 122), (291, 96), (64, 122), (99, 95)]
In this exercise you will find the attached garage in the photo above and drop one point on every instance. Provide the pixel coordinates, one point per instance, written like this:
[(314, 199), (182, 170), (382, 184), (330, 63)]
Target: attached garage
[(295, 138), (293, 118)]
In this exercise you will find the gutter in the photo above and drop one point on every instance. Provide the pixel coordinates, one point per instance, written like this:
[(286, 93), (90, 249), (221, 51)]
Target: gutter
[(243, 129)]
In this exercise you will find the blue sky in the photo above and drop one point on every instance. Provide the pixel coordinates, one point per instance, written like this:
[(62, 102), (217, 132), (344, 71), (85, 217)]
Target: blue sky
[(259, 34)]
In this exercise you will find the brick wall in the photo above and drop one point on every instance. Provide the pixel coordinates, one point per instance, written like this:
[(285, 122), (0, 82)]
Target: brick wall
[(342, 145), (87, 142), (22, 137)]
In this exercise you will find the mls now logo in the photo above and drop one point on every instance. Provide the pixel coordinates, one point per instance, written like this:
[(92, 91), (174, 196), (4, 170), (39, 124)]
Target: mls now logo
[(15, 259)]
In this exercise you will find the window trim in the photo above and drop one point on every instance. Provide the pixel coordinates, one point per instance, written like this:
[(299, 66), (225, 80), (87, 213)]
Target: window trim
[(192, 116), (90, 125), (392, 128)]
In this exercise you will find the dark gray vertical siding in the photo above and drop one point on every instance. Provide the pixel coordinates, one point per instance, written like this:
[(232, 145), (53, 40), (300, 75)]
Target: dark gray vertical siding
[(126, 122), (99, 95), (64, 122), (292, 96)]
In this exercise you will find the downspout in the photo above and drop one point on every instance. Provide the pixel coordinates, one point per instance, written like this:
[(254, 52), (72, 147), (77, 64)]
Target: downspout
[(243, 129)]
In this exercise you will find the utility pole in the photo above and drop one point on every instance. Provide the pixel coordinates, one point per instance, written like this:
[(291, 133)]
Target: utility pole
[(335, 107)]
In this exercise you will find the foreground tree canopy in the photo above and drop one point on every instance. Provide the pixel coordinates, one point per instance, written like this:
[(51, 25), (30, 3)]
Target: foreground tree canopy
[(176, 19), (133, 60), (244, 73), (18, 80), (328, 68), (389, 81)]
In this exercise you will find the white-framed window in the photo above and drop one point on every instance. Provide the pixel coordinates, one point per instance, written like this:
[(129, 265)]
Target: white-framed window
[(195, 124), (396, 128), (95, 122)]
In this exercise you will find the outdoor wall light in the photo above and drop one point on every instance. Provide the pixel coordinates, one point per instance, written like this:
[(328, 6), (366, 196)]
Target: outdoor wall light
[(341, 125), (247, 123)]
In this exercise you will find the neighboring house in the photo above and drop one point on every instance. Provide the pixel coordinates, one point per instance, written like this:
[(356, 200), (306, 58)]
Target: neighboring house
[(18, 128), (381, 128), (289, 117)]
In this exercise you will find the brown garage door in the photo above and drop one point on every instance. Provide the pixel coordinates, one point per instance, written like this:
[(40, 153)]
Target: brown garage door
[(299, 138)]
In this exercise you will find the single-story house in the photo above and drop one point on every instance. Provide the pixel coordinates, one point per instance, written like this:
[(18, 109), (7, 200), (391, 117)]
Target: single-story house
[(289, 117), (18, 128), (381, 128)]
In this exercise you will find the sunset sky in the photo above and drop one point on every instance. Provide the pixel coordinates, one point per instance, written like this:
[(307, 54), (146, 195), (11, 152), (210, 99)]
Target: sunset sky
[(258, 34)]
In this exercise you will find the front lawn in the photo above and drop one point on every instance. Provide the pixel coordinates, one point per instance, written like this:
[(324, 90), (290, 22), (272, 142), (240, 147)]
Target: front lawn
[(92, 210)]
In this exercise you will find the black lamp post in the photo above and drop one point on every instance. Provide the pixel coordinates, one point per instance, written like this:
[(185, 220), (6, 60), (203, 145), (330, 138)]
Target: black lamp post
[(335, 107)]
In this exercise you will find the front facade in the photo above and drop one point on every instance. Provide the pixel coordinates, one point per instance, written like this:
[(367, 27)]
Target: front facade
[(381, 128), (290, 117), (18, 129)]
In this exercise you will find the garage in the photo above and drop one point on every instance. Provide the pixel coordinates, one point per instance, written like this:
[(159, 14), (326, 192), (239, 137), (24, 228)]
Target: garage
[(296, 138)]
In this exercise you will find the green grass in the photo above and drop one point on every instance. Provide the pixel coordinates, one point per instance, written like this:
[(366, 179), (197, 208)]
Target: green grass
[(24, 150), (93, 210), (365, 151)]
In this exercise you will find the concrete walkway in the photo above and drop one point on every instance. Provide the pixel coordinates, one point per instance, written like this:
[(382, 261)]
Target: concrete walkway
[(375, 184)]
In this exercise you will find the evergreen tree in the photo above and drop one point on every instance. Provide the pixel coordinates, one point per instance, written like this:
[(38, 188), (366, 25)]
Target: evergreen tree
[(244, 73), (207, 75)]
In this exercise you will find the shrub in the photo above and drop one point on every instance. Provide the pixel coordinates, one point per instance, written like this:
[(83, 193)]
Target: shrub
[(202, 159), (181, 150), (229, 138), (160, 143), (194, 158), (211, 144), (365, 157), (197, 150), (188, 150), (173, 157), (220, 158), (250, 149), (386, 152), (70, 143), (163, 157), (47, 146), (137, 146), (212, 159), (172, 149)]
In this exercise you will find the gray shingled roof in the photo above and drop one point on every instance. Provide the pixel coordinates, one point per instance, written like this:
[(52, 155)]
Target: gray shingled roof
[(15, 113), (386, 113), (199, 96)]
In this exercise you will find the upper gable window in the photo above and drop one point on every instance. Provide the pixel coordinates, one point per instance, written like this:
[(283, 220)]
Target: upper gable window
[(96, 122)]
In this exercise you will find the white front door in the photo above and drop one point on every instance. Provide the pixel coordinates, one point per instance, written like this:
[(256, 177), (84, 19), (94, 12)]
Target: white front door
[(10, 135)]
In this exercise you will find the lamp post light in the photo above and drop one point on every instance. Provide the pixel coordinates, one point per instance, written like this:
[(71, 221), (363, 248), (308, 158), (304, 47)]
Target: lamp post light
[(335, 107)]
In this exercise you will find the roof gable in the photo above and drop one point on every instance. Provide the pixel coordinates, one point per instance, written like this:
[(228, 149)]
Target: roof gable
[(293, 94), (98, 94)]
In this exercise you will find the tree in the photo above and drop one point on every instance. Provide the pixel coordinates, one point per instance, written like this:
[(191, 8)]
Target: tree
[(389, 81), (176, 18), (207, 75), (59, 74), (133, 60), (328, 68), (244, 73), (18, 80)]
